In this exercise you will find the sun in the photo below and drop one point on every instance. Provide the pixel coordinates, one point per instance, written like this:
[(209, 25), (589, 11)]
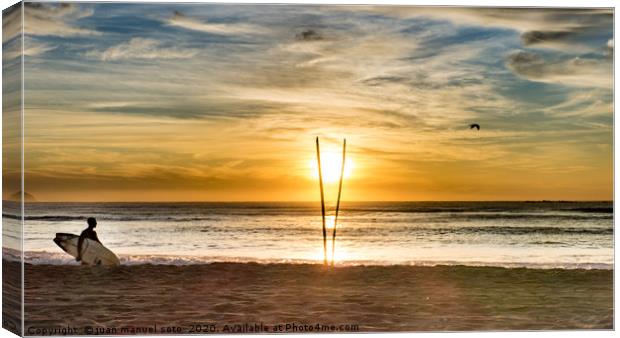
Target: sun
[(331, 164)]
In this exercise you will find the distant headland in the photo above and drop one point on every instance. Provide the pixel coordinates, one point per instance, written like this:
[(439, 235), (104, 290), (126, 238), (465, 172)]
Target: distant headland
[(18, 195)]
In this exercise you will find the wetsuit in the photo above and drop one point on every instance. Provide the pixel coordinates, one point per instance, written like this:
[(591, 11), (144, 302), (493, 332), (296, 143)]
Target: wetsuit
[(87, 233)]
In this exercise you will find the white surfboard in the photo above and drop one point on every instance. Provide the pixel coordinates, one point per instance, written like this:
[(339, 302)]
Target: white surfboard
[(93, 252)]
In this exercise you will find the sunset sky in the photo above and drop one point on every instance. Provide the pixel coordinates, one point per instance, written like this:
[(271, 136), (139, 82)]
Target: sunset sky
[(144, 102)]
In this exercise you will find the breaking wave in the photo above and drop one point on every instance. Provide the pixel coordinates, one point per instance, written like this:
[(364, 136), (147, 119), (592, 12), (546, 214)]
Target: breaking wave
[(48, 258)]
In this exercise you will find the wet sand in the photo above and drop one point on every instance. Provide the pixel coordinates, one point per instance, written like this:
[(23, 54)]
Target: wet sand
[(11, 296), (375, 298)]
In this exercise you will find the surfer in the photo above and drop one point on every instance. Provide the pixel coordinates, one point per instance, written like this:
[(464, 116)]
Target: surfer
[(89, 233)]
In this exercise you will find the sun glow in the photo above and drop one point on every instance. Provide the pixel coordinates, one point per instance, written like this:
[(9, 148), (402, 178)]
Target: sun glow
[(341, 254), (329, 222), (331, 165)]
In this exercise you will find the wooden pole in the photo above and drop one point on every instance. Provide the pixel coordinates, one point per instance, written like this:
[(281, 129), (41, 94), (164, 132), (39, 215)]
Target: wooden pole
[(344, 151), (318, 158)]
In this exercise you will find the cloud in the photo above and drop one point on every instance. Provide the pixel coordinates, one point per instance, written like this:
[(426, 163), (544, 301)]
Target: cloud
[(34, 48), (193, 109), (573, 40), (309, 35), (13, 49), (584, 104), (519, 19), (59, 20), (142, 48), (548, 38), (356, 66), (557, 28), (11, 22), (578, 72), (179, 19)]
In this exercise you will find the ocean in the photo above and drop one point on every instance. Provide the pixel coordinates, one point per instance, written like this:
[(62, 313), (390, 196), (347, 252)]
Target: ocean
[(505, 234)]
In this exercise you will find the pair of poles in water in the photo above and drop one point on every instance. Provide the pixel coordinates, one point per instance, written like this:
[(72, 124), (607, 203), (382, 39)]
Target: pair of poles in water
[(318, 158)]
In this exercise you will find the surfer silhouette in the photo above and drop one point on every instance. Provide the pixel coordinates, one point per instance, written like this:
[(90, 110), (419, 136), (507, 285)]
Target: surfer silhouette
[(89, 233)]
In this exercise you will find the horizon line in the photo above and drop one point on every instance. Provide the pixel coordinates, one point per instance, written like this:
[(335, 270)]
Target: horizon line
[(313, 201)]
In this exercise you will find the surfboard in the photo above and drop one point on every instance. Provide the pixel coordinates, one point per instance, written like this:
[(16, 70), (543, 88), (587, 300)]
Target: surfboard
[(93, 252)]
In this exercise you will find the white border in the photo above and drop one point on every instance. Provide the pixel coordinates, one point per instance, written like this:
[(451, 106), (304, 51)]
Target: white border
[(470, 3)]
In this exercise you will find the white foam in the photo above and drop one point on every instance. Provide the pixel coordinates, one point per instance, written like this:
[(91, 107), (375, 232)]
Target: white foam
[(48, 258)]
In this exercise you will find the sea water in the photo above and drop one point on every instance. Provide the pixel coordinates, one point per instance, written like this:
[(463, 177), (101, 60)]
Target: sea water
[(510, 234)]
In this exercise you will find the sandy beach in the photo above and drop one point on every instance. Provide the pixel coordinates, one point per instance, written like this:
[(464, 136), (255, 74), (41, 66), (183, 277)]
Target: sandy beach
[(11, 296), (219, 296)]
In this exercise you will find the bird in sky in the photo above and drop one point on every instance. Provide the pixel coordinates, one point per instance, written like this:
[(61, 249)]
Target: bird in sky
[(475, 125)]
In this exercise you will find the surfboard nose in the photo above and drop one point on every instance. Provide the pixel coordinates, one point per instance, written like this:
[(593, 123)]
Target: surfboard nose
[(61, 239), (58, 242)]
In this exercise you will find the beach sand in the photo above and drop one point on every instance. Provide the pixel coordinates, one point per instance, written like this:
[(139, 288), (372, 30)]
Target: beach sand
[(375, 298), (11, 296)]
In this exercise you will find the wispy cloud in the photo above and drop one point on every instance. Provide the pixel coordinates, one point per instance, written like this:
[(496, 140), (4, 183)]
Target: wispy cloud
[(519, 19), (179, 19), (578, 72), (584, 104), (56, 19), (11, 22), (32, 47), (142, 48), (559, 28)]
